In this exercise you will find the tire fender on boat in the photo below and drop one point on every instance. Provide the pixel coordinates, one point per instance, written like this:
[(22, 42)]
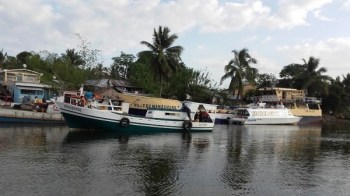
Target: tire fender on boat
[(187, 125), (124, 122)]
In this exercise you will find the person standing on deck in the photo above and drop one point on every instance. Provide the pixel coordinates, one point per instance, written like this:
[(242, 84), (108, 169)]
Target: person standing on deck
[(187, 110), (89, 95)]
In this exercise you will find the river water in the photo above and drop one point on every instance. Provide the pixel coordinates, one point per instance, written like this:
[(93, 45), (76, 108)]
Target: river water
[(231, 160)]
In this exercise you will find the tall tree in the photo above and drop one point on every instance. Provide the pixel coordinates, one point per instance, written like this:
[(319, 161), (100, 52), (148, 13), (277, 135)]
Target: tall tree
[(306, 76), (91, 57), (22, 57), (74, 57), (311, 73), (266, 80), (120, 66), (3, 57), (165, 57), (239, 70)]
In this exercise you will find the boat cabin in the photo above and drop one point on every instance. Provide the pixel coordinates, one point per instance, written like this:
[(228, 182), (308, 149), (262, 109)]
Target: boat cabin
[(285, 95), (198, 112), (166, 114)]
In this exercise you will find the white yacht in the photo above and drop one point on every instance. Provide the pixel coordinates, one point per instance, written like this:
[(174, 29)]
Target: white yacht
[(261, 114)]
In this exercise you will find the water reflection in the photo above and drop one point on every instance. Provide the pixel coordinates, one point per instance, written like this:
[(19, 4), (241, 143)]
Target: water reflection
[(30, 136), (231, 160), (151, 161), (251, 148), (77, 136)]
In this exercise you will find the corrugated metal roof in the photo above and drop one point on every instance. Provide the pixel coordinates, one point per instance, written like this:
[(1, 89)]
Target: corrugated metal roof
[(108, 83)]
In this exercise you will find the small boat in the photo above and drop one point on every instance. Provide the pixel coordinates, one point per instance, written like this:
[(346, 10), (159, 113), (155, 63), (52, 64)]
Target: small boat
[(261, 115), (109, 114), (224, 115)]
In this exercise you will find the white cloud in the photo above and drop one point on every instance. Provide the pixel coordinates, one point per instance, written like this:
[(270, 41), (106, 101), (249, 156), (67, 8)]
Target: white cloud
[(292, 13), (331, 53), (317, 14), (266, 40), (114, 26), (346, 4)]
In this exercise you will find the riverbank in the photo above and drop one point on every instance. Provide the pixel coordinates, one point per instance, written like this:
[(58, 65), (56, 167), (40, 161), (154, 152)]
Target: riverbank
[(329, 119)]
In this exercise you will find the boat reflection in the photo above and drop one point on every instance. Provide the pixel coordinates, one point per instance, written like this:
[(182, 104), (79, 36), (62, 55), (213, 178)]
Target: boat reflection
[(274, 148), (29, 135), (76, 136)]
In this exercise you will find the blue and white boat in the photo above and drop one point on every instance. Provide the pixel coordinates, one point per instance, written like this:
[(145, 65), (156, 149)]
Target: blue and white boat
[(113, 115)]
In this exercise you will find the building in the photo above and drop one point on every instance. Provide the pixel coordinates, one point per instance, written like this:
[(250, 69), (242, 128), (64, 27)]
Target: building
[(22, 83), (119, 85)]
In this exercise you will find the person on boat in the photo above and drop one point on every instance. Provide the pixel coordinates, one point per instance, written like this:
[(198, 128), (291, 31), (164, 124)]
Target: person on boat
[(89, 95), (197, 117), (36, 100), (204, 116), (82, 101), (187, 110)]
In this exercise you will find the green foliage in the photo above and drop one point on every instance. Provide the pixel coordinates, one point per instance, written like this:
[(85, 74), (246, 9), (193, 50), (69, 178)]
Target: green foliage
[(140, 75), (195, 83), (120, 67), (73, 58), (22, 57), (266, 80), (178, 87), (90, 57), (98, 72), (165, 58), (3, 58), (338, 99), (292, 71), (305, 76), (239, 70)]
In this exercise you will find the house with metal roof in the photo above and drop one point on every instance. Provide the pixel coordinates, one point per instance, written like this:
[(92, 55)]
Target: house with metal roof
[(119, 85), (22, 83)]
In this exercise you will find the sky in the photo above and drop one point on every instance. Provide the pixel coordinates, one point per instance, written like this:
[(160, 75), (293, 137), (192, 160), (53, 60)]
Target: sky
[(275, 32)]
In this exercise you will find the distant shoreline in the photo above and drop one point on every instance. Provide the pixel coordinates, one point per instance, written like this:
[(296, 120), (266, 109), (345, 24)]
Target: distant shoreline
[(327, 118)]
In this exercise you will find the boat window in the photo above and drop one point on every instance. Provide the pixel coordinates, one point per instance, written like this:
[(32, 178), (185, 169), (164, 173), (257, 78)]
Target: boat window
[(243, 112), (170, 114), (27, 92)]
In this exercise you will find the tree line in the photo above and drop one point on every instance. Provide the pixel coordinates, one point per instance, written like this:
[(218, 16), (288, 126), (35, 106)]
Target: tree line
[(160, 71)]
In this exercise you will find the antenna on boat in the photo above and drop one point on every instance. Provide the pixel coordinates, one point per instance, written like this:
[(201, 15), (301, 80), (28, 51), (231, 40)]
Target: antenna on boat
[(81, 89)]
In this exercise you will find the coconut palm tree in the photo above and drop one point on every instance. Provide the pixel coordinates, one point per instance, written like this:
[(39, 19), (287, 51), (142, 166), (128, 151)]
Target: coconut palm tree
[(239, 70), (311, 78), (311, 74), (165, 58), (3, 57), (73, 57)]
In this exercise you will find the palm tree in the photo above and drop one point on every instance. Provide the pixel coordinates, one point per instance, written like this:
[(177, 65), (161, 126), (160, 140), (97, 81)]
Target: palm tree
[(239, 70), (165, 58), (73, 57), (311, 74), (3, 57)]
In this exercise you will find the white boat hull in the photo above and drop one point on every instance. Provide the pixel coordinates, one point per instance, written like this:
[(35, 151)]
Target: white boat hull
[(265, 116), (86, 118)]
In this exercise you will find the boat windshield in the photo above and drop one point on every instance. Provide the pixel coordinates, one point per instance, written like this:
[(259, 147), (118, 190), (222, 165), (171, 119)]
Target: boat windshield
[(243, 112)]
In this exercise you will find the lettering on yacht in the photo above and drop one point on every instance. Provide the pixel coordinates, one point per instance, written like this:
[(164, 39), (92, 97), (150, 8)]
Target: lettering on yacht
[(69, 107), (155, 106)]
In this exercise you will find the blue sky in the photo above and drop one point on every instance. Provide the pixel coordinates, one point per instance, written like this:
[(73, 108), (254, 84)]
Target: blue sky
[(276, 33)]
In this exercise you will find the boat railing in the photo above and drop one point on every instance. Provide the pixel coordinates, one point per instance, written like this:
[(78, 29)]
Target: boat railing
[(293, 99)]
